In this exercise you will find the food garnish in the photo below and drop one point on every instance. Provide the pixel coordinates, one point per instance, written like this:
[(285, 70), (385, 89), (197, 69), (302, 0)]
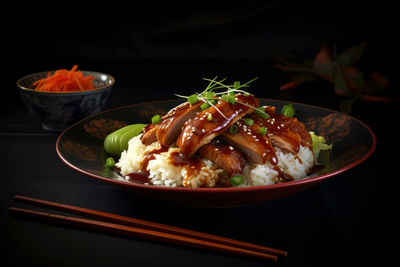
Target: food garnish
[(117, 141), (263, 130), (233, 129), (209, 96), (110, 162), (318, 143), (192, 99), (236, 180), (261, 113), (156, 119), (288, 110), (249, 121), (65, 81)]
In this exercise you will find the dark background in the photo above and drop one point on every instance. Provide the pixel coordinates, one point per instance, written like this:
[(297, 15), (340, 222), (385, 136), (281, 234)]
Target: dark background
[(158, 44), (155, 50)]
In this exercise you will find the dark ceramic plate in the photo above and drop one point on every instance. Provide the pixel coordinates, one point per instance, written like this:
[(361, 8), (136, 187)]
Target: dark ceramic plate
[(81, 147)]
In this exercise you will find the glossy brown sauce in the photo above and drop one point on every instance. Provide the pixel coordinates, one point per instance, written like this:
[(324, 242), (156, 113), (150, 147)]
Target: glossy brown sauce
[(279, 125), (147, 128), (269, 151), (200, 128), (140, 177), (174, 115), (224, 156), (150, 155)]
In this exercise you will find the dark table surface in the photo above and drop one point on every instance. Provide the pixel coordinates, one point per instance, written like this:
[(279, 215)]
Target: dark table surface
[(348, 219)]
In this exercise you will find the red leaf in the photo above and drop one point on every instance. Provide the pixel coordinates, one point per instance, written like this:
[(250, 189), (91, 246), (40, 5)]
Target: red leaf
[(323, 61), (354, 78), (351, 55)]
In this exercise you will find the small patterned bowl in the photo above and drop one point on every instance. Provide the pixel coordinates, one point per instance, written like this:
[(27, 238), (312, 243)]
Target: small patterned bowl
[(57, 111)]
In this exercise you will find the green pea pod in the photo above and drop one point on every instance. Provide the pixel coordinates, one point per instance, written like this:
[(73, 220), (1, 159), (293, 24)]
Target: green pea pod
[(117, 141)]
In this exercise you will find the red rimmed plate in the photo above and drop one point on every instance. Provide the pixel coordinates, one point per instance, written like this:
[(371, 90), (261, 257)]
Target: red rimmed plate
[(81, 147)]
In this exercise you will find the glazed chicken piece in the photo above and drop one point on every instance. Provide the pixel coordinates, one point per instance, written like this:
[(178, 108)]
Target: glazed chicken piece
[(284, 132), (171, 124), (210, 123), (249, 141), (149, 134), (224, 156), (170, 127)]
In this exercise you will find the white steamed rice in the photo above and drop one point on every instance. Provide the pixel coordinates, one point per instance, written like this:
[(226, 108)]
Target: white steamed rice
[(163, 173)]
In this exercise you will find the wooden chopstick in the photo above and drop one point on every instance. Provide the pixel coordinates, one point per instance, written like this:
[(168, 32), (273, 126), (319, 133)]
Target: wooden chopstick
[(133, 222), (144, 229), (138, 233)]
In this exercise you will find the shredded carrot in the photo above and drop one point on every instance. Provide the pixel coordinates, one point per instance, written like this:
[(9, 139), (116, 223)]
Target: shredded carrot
[(65, 81)]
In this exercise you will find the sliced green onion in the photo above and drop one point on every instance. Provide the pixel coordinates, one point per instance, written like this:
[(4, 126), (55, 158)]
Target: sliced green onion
[(263, 130), (233, 129), (229, 98), (204, 106), (260, 111), (209, 117), (236, 180), (192, 99), (236, 85), (110, 162), (249, 121), (288, 110), (210, 94), (156, 119)]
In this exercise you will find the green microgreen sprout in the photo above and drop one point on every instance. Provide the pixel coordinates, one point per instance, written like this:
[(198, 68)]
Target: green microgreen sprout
[(210, 96)]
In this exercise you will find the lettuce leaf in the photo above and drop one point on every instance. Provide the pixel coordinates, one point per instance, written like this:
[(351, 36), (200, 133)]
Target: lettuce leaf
[(319, 143)]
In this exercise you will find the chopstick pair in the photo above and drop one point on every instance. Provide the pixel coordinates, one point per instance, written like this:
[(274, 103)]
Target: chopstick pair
[(137, 228)]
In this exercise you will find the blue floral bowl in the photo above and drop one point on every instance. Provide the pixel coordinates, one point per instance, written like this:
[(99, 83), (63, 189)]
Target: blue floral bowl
[(57, 111)]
